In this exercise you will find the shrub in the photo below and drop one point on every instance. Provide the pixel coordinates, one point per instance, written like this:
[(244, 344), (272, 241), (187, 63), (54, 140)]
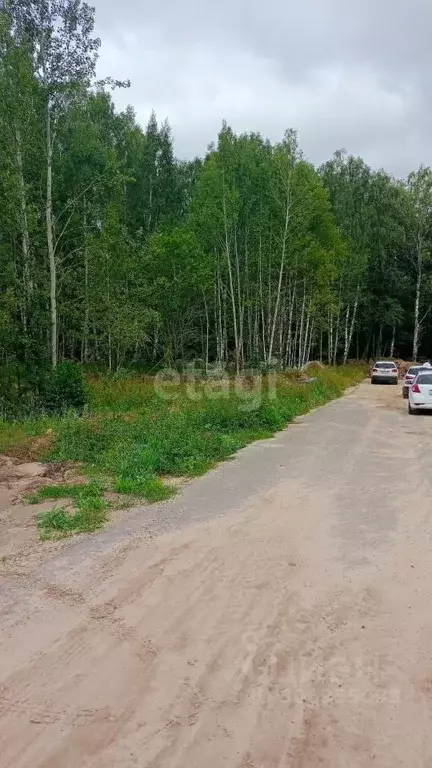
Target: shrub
[(63, 389)]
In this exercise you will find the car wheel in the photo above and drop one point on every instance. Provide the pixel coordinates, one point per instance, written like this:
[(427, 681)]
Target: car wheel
[(411, 411)]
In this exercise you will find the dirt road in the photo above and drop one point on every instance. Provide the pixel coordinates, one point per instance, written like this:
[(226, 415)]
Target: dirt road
[(277, 614)]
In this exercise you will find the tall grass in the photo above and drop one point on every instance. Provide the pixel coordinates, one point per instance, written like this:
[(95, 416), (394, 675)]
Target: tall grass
[(133, 434)]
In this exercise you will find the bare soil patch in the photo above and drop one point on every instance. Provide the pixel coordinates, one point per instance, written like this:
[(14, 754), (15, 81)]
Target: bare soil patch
[(20, 548)]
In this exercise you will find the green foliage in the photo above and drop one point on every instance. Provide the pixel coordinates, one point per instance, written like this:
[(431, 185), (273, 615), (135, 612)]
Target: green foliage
[(63, 389), (89, 513), (63, 491), (59, 522), (90, 508), (149, 488), (147, 436), (247, 256), (133, 436)]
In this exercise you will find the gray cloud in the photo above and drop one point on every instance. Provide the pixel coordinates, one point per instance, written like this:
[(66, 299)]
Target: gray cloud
[(345, 74)]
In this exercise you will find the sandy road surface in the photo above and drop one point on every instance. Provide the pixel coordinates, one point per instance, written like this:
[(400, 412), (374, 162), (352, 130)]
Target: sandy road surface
[(290, 625)]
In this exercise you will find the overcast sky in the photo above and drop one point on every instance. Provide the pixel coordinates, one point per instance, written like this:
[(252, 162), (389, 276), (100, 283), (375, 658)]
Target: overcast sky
[(353, 74)]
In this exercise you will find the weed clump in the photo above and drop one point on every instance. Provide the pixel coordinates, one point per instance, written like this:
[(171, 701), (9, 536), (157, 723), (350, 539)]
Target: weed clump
[(88, 515)]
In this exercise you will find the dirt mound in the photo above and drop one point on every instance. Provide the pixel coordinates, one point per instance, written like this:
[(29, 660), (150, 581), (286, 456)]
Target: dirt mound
[(34, 448), (403, 366), (20, 547), (14, 474), (314, 365), (310, 370), (21, 477)]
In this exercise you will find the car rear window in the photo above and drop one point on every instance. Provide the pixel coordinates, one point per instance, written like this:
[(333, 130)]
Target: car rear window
[(424, 378), (413, 371), (385, 365)]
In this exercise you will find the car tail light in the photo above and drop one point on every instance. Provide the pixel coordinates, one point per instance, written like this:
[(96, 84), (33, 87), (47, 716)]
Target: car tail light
[(415, 388), (375, 370), (394, 370)]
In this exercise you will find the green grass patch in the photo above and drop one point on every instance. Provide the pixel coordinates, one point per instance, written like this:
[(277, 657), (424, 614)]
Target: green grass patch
[(150, 488), (132, 435), (88, 515), (60, 522), (54, 492)]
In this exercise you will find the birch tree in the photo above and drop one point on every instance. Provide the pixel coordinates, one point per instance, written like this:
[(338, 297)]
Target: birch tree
[(19, 130), (59, 33), (420, 191), (348, 180)]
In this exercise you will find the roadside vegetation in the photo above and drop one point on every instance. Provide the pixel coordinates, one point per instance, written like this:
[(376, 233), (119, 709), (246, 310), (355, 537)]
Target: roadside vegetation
[(118, 258), (117, 255), (133, 437)]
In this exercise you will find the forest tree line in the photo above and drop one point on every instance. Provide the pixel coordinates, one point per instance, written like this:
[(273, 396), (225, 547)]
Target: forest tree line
[(114, 253)]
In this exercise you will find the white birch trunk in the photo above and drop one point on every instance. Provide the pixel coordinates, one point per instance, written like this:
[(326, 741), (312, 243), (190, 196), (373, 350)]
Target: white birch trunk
[(86, 290), (309, 347), (346, 334), (239, 303), (207, 336), (27, 280), (416, 338), (50, 241), (231, 284), (330, 339), (353, 320), (336, 339), (306, 341), (281, 271), (261, 295), (300, 345), (393, 341), (288, 355)]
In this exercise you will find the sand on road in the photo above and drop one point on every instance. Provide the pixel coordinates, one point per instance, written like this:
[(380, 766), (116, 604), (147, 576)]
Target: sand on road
[(278, 614)]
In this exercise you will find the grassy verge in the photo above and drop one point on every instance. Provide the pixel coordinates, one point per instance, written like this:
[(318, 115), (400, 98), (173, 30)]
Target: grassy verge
[(135, 433)]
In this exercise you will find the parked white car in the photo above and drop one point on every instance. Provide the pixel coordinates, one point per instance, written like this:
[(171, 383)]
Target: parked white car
[(411, 376), (385, 372), (420, 393)]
